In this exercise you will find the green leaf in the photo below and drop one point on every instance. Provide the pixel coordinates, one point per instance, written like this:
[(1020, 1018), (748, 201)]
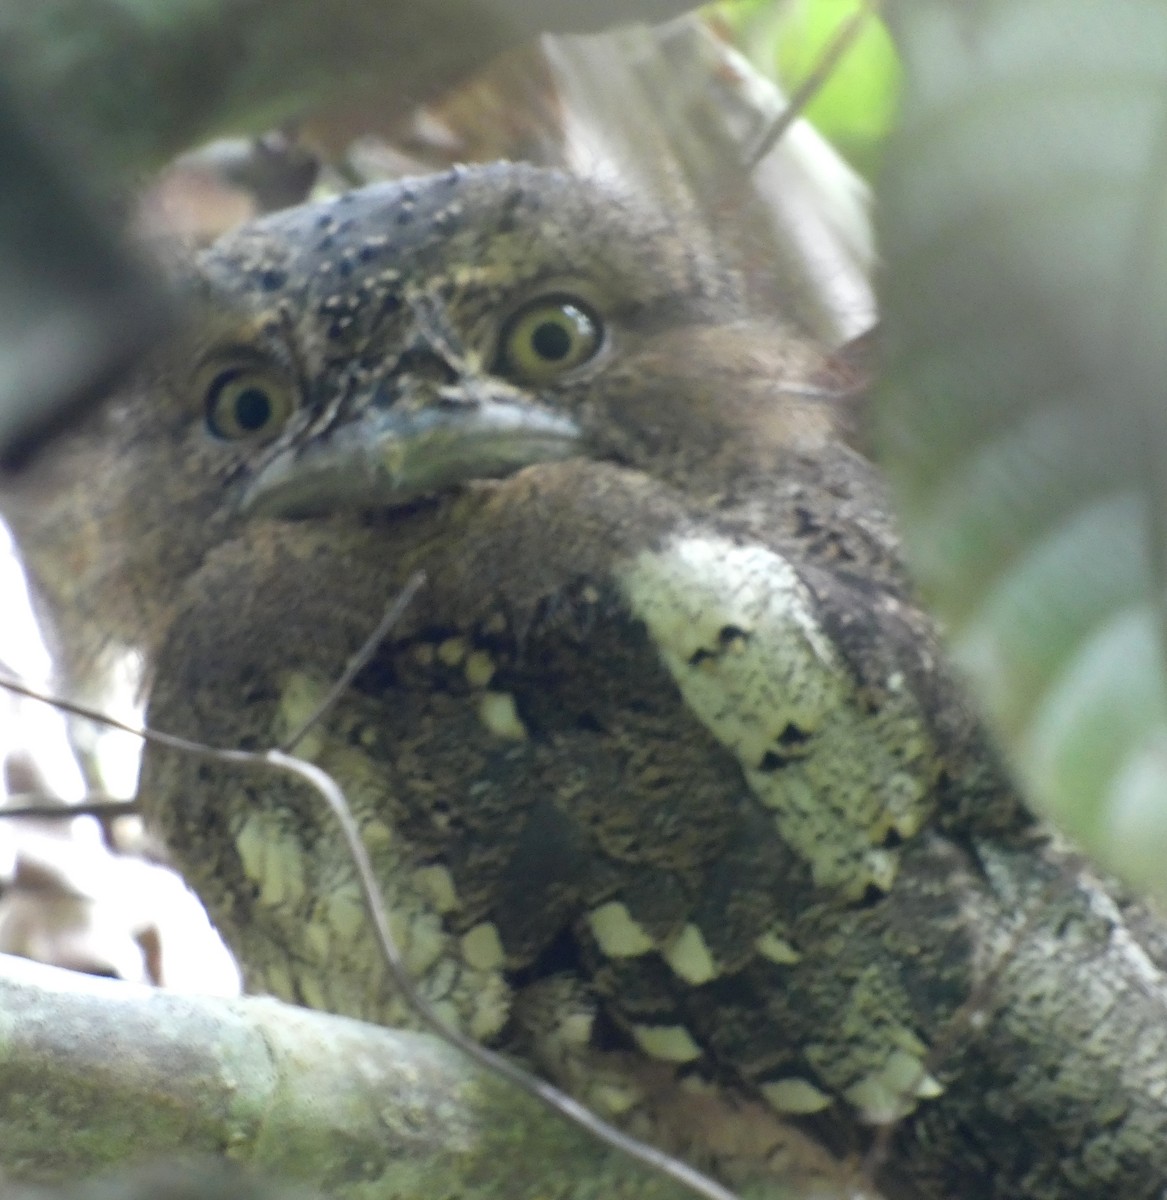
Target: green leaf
[(1024, 419)]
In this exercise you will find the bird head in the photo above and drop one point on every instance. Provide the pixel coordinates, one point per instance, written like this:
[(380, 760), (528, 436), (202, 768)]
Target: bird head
[(407, 338)]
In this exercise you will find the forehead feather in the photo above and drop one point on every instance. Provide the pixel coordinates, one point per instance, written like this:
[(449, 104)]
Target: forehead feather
[(502, 224)]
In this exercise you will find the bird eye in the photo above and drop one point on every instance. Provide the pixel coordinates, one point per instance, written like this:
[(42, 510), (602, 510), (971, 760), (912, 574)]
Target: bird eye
[(246, 401), (546, 338)]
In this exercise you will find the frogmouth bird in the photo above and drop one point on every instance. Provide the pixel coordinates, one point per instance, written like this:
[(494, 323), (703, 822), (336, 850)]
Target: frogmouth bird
[(663, 774)]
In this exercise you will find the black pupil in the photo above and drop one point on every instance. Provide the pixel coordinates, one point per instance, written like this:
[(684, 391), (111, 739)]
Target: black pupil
[(551, 341), (252, 409)]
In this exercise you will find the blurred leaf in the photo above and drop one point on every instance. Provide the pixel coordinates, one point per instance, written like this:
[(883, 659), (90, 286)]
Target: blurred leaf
[(76, 308), (134, 83), (1023, 420)]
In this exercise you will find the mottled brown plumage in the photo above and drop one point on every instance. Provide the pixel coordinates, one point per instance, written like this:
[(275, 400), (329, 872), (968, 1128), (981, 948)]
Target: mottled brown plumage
[(662, 766)]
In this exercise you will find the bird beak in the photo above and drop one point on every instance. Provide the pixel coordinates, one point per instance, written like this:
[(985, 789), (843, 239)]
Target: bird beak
[(385, 456)]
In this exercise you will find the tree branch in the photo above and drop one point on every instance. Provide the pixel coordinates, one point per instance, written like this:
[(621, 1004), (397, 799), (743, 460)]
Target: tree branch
[(96, 1073)]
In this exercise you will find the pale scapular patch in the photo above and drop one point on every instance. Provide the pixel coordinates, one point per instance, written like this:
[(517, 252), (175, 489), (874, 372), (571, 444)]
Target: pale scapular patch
[(738, 630)]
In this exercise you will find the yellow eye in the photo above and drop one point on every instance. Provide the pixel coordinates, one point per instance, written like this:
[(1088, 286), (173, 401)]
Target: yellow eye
[(245, 401), (547, 338)]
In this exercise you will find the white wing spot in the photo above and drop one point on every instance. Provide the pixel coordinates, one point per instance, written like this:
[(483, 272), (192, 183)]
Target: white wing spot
[(273, 859), (794, 1095), (618, 933), (689, 956), (497, 711), (671, 1043), (482, 947)]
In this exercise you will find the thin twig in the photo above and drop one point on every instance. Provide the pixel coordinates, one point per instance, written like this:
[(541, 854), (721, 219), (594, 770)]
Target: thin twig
[(167, 740), (842, 40), (545, 1093), (51, 808), (359, 660)]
